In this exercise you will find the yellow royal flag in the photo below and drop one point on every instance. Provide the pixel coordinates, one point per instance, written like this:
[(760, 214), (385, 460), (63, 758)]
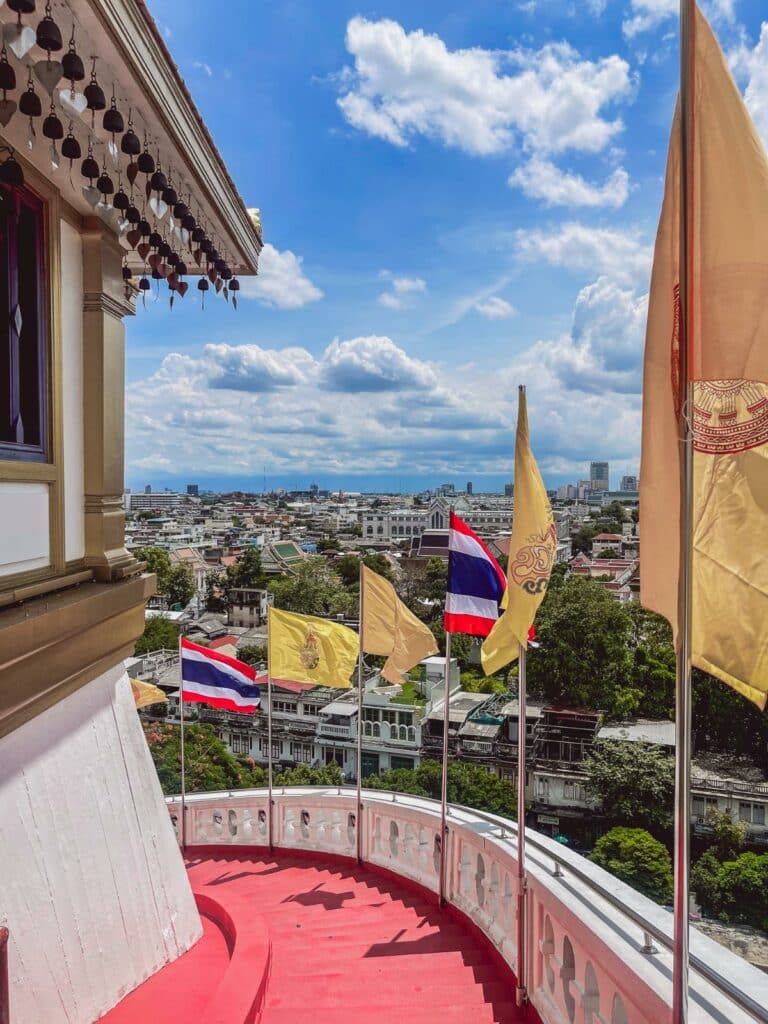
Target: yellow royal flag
[(146, 694), (728, 357), (390, 629), (306, 649), (531, 554)]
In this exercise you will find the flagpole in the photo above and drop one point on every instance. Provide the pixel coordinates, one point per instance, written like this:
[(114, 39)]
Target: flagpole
[(183, 773), (359, 755), (683, 688), (269, 732), (521, 994), (444, 782)]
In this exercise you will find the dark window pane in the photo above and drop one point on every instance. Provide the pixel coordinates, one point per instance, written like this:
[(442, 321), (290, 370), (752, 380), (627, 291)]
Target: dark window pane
[(30, 369)]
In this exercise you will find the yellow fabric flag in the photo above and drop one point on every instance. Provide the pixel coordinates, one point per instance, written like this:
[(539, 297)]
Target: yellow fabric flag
[(306, 649), (390, 629), (145, 694), (729, 368), (532, 550)]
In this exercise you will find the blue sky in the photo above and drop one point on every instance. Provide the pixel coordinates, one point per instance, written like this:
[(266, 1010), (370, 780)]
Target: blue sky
[(456, 199)]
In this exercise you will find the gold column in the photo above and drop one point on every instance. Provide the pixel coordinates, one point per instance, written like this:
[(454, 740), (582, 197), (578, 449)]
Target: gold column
[(104, 306)]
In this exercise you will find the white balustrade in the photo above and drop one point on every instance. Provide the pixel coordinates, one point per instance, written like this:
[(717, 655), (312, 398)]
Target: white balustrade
[(589, 957)]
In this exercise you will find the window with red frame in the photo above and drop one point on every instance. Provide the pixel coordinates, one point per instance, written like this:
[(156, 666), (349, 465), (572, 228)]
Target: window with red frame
[(23, 349)]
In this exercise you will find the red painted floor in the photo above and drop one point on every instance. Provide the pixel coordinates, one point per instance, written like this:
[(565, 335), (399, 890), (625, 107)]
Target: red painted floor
[(344, 942)]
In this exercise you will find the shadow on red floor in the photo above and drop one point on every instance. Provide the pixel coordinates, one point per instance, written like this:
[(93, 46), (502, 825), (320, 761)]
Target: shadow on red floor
[(321, 942)]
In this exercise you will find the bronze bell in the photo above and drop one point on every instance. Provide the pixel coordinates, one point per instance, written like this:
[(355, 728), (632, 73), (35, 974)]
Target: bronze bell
[(202, 285), (181, 268), (155, 239), (22, 6), (94, 95), (71, 62), (144, 229), (132, 215), (11, 172), (198, 234), (170, 195), (188, 222), (52, 127), (29, 103), (234, 285), (89, 168), (180, 211), (164, 250), (144, 284), (173, 258), (113, 120), (158, 181), (7, 75), (146, 162), (127, 275), (49, 35), (130, 143), (121, 200), (206, 245), (70, 148), (105, 184)]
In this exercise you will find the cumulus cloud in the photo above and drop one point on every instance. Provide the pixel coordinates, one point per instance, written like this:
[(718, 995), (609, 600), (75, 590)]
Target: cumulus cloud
[(402, 289), (409, 84), (252, 368), (281, 282), (621, 254), (373, 364), (495, 308), (648, 14), (541, 179)]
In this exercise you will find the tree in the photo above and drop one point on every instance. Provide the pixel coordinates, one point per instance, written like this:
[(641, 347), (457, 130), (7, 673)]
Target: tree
[(158, 561), (215, 594), (327, 544), (314, 589), (735, 890), (435, 580), (728, 835), (180, 587), (610, 553), (252, 654), (634, 856), (247, 572), (723, 720), (615, 510), (159, 634), (653, 661), (581, 542), (634, 782), (584, 658), (470, 785)]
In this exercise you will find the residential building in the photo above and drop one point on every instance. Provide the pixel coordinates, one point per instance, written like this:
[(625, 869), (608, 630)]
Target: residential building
[(248, 607), (629, 483), (155, 501), (193, 490)]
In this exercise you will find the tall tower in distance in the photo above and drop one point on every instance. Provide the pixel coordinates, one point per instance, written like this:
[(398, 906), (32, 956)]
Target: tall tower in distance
[(598, 476)]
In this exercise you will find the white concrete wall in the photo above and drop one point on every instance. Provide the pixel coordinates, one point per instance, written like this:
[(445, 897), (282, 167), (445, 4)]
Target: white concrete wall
[(24, 537), (72, 390), (94, 890)]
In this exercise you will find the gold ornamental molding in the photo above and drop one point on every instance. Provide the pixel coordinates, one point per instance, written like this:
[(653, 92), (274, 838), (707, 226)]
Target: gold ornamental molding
[(100, 302)]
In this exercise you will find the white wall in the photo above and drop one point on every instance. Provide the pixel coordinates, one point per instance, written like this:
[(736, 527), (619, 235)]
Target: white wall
[(72, 390), (94, 890), (24, 536)]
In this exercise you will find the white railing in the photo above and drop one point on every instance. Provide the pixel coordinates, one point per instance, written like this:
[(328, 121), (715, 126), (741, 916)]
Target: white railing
[(598, 952), (343, 731)]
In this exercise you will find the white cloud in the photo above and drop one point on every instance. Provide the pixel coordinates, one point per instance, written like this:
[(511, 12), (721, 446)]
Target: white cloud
[(407, 84), (202, 66), (252, 368), (648, 14), (541, 179), (402, 288), (751, 65), (373, 364), (620, 254), (281, 282), (495, 308)]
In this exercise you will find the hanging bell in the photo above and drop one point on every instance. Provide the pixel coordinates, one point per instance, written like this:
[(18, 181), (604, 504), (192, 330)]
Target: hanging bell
[(94, 94), (70, 148), (72, 63), (120, 201), (173, 258), (181, 268), (144, 284), (113, 120), (155, 239), (170, 196), (29, 102), (158, 181), (202, 284), (105, 184), (144, 229), (234, 285), (127, 274), (89, 168), (156, 275), (188, 222), (197, 234), (11, 172), (52, 127), (180, 211), (7, 74), (49, 33), (164, 250), (146, 162), (130, 143), (132, 214), (22, 6)]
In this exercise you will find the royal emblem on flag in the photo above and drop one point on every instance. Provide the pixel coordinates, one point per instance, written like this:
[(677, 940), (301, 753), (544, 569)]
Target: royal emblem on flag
[(533, 564), (309, 654)]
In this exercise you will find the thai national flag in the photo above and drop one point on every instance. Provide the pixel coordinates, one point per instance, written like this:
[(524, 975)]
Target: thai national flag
[(210, 677), (476, 583)]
